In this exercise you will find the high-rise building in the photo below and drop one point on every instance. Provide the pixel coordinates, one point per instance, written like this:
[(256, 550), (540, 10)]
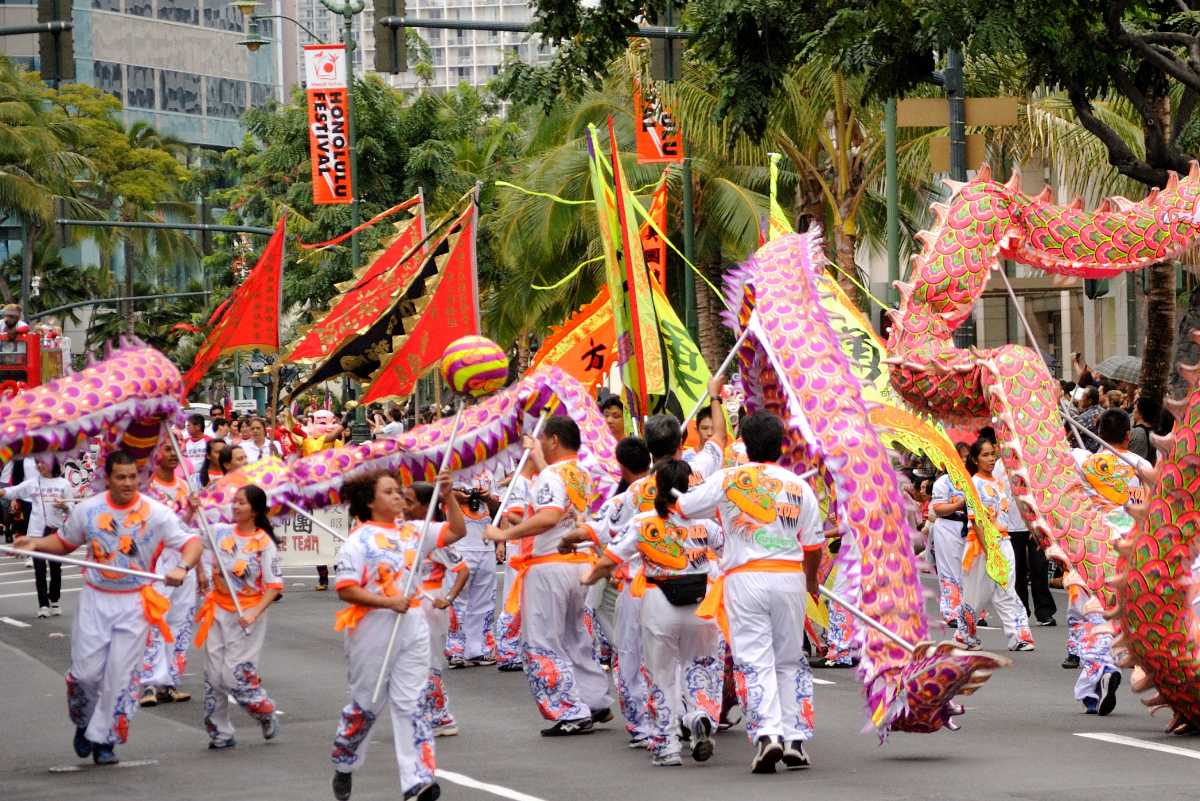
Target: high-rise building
[(472, 57), (176, 64)]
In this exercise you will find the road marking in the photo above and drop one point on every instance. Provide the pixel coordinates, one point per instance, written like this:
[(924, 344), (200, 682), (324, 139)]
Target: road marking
[(133, 763), (12, 622), (27, 579), (494, 789), (34, 594), (1133, 742), (823, 681)]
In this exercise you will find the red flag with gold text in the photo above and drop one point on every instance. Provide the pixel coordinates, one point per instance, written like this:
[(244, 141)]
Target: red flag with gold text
[(251, 319), (452, 311), (584, 346)]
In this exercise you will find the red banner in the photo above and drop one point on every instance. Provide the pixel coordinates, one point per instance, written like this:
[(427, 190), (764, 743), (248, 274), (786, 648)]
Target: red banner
[(328, 123), (251, 320), (451, 312), (659, 140), (654, 246), (584, 345), (368, 298)]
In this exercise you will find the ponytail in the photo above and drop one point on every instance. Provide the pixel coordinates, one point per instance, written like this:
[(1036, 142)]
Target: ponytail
[(258, 502), (673, 474)]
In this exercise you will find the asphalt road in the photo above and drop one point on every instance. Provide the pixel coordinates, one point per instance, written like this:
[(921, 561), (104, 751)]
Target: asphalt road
[(1021, 736)]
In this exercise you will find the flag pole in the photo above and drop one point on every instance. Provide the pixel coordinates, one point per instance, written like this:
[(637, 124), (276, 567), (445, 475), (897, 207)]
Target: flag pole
[(720, 371), (313, 520), (508, 491), (415, 569), (67, 560)]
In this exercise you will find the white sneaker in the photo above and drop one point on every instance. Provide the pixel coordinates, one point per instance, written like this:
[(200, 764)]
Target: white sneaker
[(55, 610), (445, 730), (43, 611), (29, 562)]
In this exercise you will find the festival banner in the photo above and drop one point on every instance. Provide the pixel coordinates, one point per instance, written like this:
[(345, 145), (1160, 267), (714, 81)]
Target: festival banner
[(687, 369), (301, 544), (366, 299), (370, 345), (659, 140), (584, 345), (251, 318), (642, 317), (328, 123), (654, 247), (448, 310)]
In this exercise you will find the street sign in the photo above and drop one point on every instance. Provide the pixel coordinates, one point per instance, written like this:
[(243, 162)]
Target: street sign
[(934, 112), (245, 405)]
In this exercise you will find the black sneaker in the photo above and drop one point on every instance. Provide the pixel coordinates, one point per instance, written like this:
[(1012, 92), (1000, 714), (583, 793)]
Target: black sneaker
[(567, 728), (83, 746), (794, 757), (1048, 622), (1071, 662), (1109, 682), (341, 785), (426, 792), (770, 751), (104, 755), (702, 744), (511, 667), (602, 715)]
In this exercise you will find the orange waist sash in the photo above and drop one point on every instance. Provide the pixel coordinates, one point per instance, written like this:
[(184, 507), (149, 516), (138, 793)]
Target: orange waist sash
[(521, 565), (713, 605)]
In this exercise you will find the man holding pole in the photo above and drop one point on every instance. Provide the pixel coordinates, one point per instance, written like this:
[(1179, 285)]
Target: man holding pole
[(567, 683), (125, 530)]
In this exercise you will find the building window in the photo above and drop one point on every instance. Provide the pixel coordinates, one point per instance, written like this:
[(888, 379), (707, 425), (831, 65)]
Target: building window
[(107, 5), (139, 8), (140, 83), (187, 11), (464, 54), (261, 95), (107, 77), (181, 92), (226, 98), (222, 16), (463, 72)]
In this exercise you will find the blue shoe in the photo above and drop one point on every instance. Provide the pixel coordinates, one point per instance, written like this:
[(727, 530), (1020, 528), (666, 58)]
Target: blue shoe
[(104, 755), (83, 746), (1091, 706)]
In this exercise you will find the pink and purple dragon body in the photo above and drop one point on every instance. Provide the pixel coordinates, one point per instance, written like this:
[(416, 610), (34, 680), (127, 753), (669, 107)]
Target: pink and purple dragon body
[(1145, 582)]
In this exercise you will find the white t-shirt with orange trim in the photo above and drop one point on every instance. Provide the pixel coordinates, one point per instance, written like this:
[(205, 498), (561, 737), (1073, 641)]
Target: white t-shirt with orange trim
[(765, 511), (131, 536), (376, 556), (251, 560), (667, 548), (564, 486)]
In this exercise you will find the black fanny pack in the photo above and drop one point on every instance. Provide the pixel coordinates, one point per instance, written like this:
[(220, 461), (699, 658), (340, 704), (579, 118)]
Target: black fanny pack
[(685, 590)]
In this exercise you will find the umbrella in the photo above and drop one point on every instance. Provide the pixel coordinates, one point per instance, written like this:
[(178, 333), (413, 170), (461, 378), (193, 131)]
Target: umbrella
[(1121, 368)]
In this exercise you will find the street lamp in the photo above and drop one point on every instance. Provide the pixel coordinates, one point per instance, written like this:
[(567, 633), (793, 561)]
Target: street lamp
[(254, 40)]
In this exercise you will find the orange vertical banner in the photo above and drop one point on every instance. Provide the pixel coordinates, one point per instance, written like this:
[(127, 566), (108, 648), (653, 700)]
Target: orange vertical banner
[(659, 140), (654, 247), (328, 123)]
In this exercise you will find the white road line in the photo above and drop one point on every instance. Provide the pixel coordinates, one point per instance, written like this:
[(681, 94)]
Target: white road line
[(34, 594), (823, 681), (12, 622), (28, 579), (494, 789), (1133, 742)]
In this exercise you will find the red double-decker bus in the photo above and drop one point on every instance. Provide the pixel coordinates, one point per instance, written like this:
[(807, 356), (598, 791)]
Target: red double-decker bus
[(30, 359)]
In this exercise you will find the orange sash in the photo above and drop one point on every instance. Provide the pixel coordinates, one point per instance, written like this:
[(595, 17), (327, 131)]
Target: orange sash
[(974, 547), (521, 565), (154, 607), (713, 605), (348, 617), (208, 610)]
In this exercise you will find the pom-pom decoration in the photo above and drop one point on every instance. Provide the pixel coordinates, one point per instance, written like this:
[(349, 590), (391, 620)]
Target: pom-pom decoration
[(474, 366)]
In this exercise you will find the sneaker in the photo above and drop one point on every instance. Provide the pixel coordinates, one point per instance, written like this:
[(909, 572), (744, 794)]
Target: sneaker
[(445, 730), (43, 611), (456, 663), (323, 588), (1071, 662), (666, 760), (770, 751), (29, 562), (602, 715), (730, 718), (1024, 645), (1090, 706), (794, 756), (171, 695), (426, 792), (701, 736), (83, 746), (482, 661), (149, 697), (511, 667), (1048, 622), (104, 755), (221, 744), (341, 785), (270, 727), (1109, 682), (639, 741), (567, 728), (55, 609), (967, 646)]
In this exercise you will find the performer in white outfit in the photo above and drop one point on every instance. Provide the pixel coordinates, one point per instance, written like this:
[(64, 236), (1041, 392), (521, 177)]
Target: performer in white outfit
[(371, 575), (125, 529), (232, 643), (683, 653), (474, 644), (948, 538), (770, 556), (164, 665), (508, 624)]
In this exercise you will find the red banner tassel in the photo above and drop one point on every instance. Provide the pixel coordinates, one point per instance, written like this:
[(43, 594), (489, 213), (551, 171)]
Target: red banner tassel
[(337, 240)]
